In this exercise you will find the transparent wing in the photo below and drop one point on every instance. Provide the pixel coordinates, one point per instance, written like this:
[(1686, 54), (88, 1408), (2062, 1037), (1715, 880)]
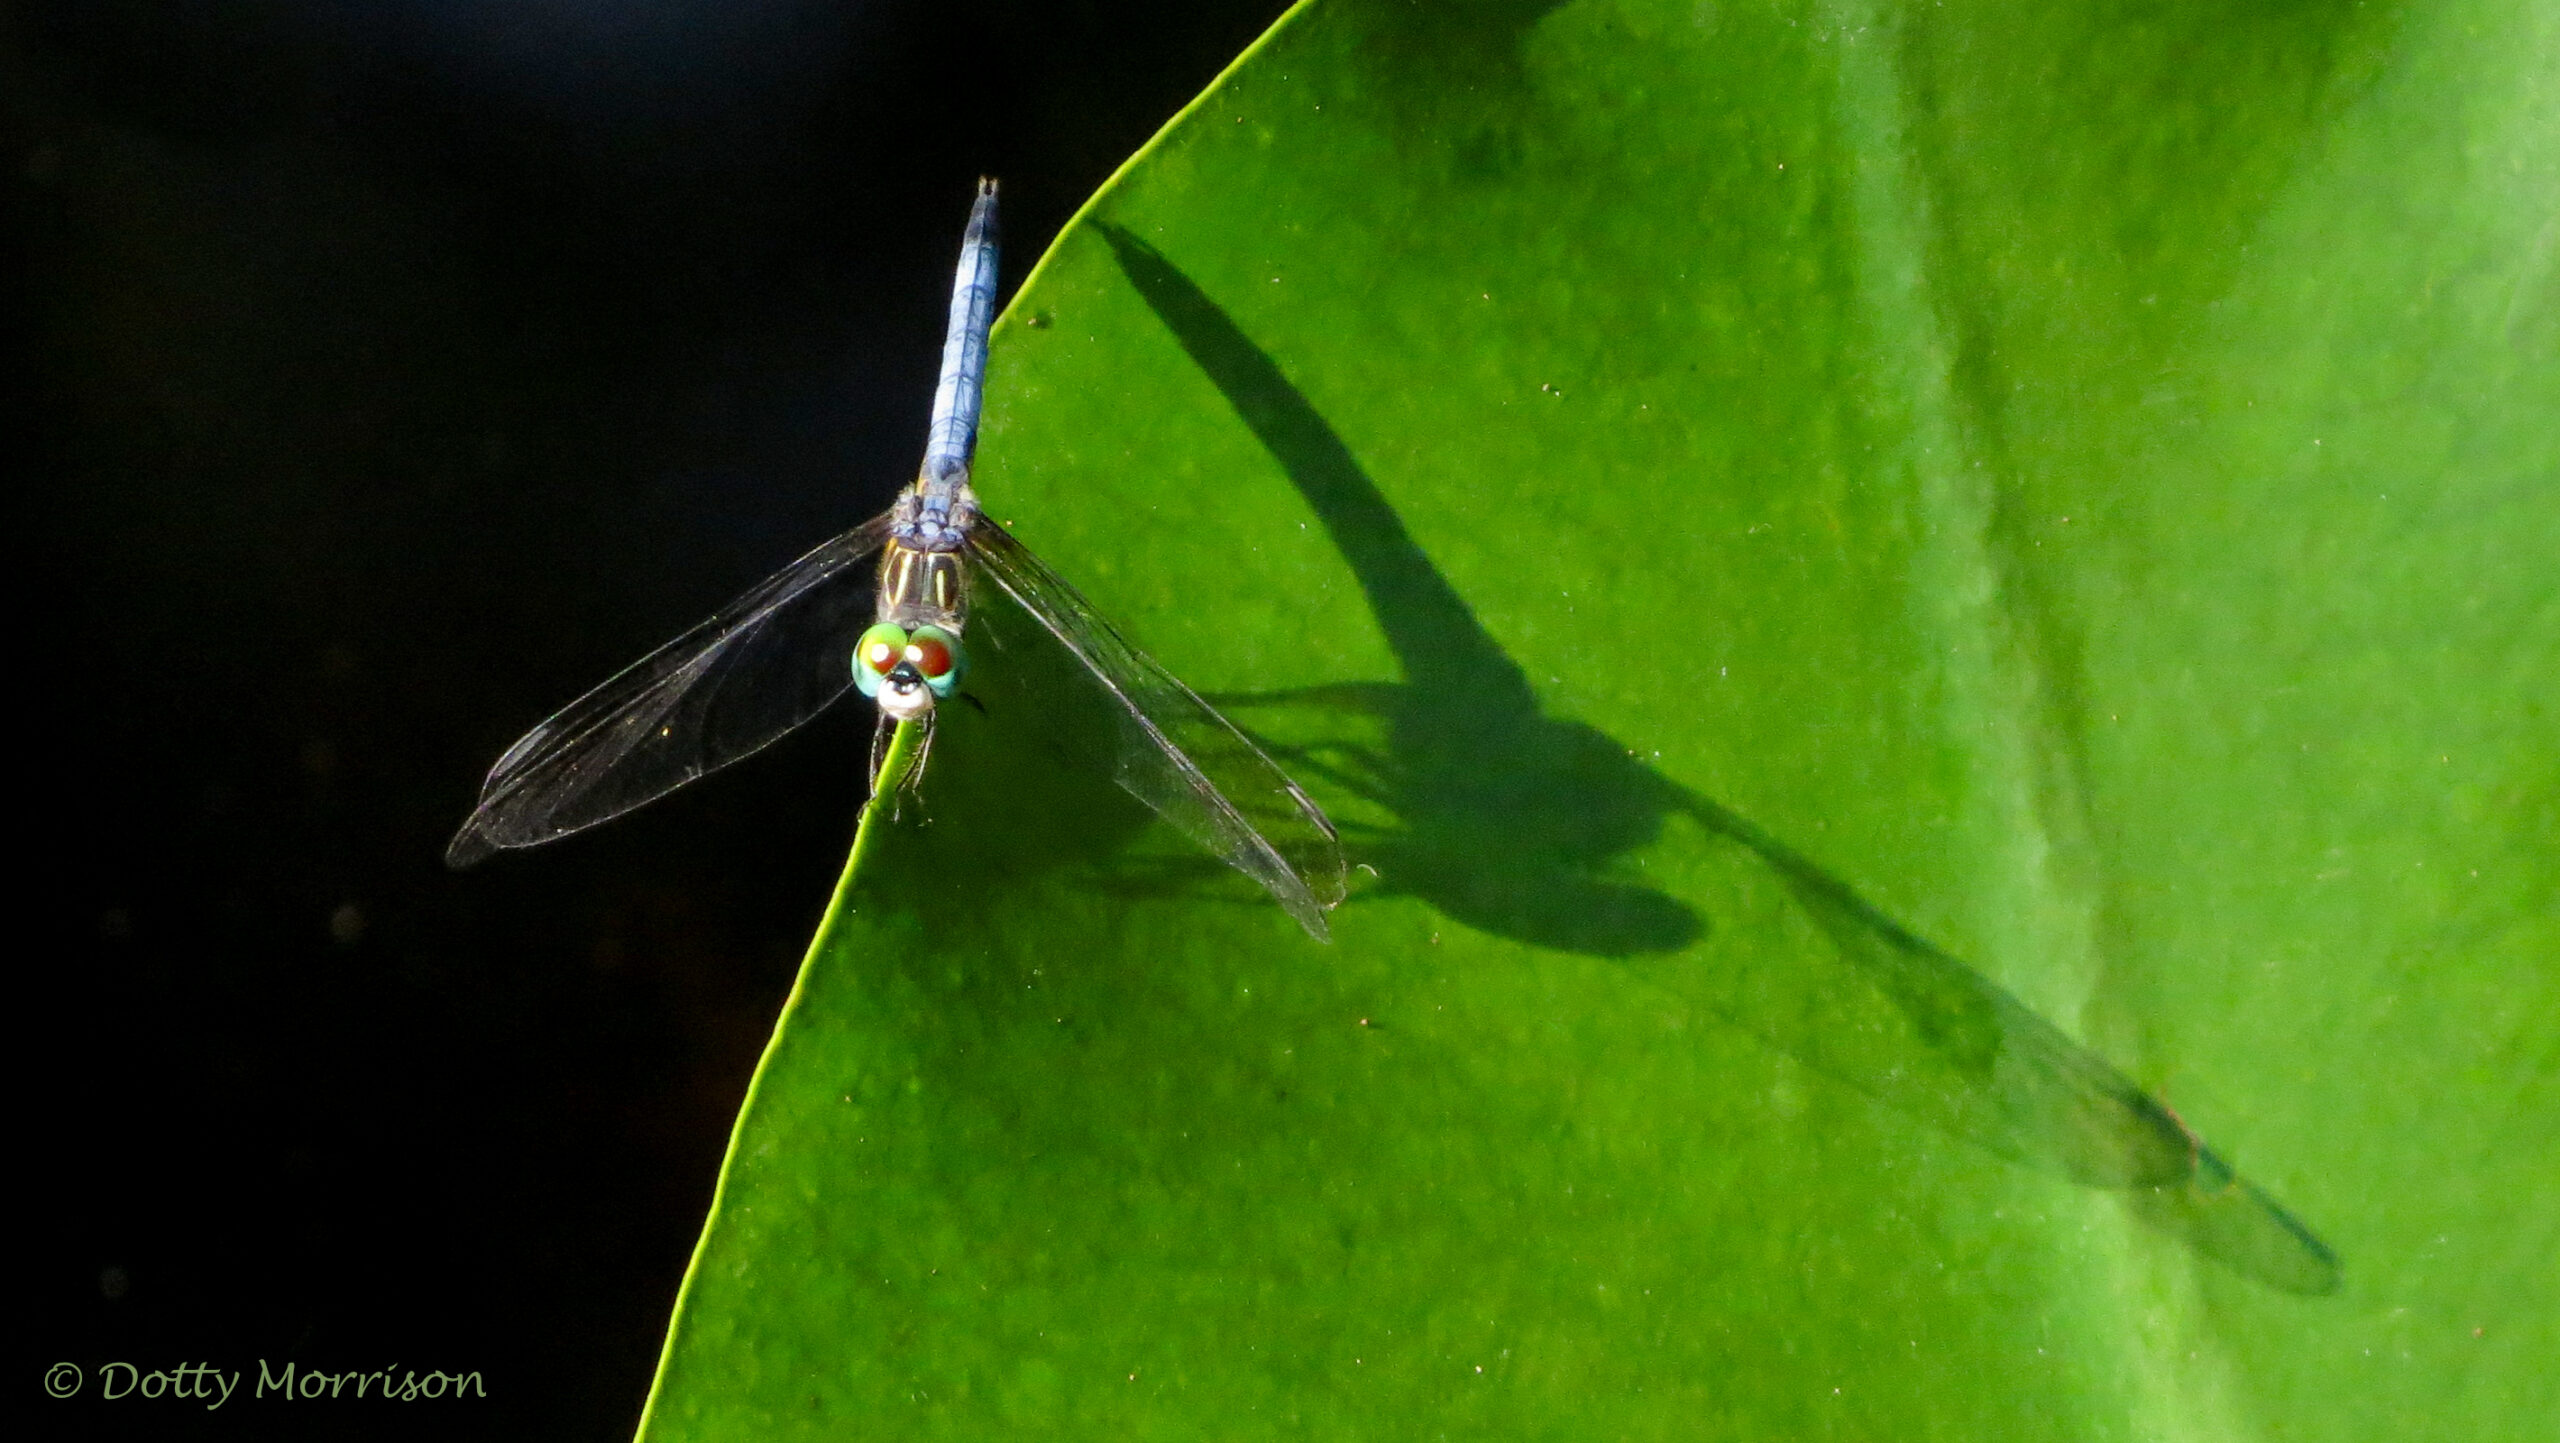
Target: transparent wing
[(1175, 753), (762, 665)]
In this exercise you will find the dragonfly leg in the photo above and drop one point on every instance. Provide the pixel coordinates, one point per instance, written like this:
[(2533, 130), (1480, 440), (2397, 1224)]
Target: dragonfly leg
[(913, 781), (880, 735)]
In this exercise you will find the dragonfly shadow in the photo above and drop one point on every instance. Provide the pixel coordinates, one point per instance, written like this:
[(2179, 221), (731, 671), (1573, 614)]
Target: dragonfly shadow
[(1529, 827)]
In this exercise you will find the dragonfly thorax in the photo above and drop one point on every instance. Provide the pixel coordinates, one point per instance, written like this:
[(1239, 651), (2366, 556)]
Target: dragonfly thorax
[(922, 588), (934, 515)]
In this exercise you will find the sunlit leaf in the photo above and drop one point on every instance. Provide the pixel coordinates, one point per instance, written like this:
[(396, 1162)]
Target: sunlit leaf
[(1887, 596)]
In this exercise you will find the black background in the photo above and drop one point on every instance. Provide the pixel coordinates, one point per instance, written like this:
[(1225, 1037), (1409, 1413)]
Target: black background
[(381, 376)]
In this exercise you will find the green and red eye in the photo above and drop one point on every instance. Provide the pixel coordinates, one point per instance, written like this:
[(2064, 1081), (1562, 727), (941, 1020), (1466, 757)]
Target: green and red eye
[(930, 652), (935, 653), (876, 655)]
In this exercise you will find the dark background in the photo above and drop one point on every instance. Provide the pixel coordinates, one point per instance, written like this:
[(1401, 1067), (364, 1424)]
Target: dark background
[(379, 378)]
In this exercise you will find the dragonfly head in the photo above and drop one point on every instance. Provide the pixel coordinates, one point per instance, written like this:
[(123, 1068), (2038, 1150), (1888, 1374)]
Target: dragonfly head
[(906, 672)]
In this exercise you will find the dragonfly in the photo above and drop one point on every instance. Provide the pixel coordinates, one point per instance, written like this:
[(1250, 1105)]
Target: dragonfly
[(836, 621)]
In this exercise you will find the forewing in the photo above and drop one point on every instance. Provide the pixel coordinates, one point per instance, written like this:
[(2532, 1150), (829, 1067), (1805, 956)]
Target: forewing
[(1176, 753), (760, 666)]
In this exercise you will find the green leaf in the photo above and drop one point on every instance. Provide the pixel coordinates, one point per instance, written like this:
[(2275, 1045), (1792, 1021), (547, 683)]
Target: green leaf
[(1818, 555)]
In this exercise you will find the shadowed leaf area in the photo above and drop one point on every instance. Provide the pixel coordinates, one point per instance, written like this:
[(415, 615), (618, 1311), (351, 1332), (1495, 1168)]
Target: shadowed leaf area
[(1878, 596), (1508, 820)]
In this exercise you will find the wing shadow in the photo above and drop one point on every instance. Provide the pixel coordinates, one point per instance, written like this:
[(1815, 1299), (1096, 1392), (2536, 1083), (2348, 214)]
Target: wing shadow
[(1523, 825)]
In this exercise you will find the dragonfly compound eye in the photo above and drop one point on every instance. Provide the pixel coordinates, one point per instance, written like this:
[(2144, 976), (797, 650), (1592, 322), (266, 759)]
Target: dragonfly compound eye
[(876, 655), (937, 657)]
